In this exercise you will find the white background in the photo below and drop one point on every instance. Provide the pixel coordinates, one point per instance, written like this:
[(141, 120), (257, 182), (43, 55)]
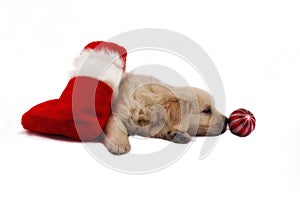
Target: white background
[(256, 48)]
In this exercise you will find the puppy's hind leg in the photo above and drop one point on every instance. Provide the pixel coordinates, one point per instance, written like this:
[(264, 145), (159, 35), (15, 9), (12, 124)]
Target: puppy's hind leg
[(116, 137)]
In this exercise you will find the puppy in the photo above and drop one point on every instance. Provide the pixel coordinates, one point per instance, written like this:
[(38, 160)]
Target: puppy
[(147, 107)]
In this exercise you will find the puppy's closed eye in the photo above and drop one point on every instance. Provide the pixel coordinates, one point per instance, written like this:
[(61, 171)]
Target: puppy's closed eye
[(207, 110)]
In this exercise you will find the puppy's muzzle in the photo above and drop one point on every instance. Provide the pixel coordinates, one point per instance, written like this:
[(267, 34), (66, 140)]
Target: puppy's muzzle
[(225, 124)]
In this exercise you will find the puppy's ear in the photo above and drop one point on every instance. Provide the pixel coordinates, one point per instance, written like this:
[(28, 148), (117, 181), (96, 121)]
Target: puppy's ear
[(178, 110), (168, 101)]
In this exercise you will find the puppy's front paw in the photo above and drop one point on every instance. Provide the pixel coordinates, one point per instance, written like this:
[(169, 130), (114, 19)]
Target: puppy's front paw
[(117, 145), (181, 137)]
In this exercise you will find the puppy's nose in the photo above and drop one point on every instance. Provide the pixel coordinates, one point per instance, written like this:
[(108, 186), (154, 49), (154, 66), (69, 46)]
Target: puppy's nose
[(225, 124)]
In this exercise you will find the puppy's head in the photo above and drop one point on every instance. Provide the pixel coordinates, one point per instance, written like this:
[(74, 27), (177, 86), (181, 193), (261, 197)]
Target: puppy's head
[(204, 117), (193, 110)]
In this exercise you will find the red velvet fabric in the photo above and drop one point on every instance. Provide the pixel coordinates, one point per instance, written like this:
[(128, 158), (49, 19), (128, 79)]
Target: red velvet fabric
[(80, 113)]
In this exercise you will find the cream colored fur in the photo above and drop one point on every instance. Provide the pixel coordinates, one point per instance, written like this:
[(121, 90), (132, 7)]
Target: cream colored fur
[(145, 106)]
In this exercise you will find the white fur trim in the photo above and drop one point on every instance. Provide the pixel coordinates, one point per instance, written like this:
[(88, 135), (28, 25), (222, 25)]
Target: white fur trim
[(104, 65)]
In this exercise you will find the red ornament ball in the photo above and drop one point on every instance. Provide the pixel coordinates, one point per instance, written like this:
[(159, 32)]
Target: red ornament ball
[(241, 122)]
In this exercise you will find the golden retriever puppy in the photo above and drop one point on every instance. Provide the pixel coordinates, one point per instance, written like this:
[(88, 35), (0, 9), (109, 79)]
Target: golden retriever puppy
[(147, 107)]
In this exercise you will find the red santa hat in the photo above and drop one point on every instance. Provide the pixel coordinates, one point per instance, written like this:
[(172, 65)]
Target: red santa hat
[(83, 108)]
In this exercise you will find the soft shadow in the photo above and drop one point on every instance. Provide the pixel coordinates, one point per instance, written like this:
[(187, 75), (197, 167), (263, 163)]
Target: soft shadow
[(59, 137)]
